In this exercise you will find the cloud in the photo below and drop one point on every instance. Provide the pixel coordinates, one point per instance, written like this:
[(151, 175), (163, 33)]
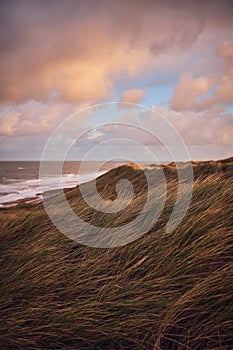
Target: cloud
[(57, 57), (33, 118), (188, 90), (77, 50), (210, 127), (213, 126), (223, 93), (225, 51), (206, 91), (132, 96)]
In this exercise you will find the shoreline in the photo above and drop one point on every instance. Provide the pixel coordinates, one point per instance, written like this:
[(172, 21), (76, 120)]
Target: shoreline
[(17, 202), (200, 169)]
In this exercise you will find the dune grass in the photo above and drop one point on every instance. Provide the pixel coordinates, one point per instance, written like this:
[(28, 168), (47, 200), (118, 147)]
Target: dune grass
[(163, 291)]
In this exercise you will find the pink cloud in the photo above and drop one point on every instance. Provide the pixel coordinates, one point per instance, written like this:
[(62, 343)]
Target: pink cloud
[(213, 126), (79, 50), (132, 96), (188, 90), (189, 93), (33, 118)]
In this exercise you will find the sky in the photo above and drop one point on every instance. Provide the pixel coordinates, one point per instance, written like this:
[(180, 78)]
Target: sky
[(62, 58)]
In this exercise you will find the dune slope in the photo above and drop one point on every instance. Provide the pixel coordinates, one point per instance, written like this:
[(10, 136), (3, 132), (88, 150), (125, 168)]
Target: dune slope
[(163, 291)]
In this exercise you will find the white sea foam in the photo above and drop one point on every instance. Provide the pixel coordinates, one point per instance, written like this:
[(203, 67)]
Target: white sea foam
[(15, 189)]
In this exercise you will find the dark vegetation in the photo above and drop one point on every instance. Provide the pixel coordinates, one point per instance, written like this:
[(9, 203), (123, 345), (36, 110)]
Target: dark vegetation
[(163, 291)]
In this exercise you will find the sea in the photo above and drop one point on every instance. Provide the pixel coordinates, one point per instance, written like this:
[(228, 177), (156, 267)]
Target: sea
[(19, 180)]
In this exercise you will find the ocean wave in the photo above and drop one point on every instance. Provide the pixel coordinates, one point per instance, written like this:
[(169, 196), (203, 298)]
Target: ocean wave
[(15, 190)]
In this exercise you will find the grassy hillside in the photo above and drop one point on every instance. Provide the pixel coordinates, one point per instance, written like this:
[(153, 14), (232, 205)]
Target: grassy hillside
[(163, 291)]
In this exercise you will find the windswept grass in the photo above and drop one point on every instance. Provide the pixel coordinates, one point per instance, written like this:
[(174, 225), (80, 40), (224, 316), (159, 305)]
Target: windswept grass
[(163, 291)]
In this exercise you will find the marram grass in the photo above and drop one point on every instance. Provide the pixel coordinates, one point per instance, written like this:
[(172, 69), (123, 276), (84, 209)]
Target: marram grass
[(163, 291)]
